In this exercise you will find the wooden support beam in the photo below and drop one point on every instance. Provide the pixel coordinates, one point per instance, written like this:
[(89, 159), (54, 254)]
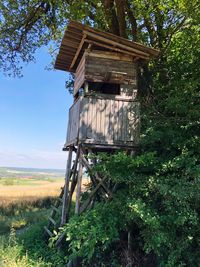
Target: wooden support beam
[(55, 209), (60, 200), (70, 192), (125, 47), (88, 200), (78, 51), (52, 221), (112, 48), (76, 161), (79, 182), (74, 180), (130, 246), (66, 188), (85, 162), (59, 240), (48, 231)]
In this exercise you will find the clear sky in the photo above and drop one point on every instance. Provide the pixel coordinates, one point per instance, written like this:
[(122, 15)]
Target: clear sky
[(33, 116)]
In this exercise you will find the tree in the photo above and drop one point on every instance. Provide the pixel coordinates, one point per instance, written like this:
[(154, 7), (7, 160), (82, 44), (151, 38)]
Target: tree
[(27, 25)]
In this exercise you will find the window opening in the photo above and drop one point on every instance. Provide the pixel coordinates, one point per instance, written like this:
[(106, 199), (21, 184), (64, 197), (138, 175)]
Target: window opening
[(104, 88)]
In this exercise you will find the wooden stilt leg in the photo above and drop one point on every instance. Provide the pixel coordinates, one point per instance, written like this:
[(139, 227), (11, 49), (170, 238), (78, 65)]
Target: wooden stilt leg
[(130, 243), (79, 182), (66, 188), (74, 181)]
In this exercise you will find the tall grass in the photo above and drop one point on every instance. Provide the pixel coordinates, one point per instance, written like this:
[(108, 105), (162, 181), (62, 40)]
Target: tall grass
[(28, 250), (18, 215), (22, 240), (24, 210)]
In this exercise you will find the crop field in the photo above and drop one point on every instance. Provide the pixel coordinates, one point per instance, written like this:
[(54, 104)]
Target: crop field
[(25, 200), (28, 190)]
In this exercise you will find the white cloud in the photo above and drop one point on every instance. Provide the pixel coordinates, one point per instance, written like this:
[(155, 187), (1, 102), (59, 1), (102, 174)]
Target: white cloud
[(33, 158)]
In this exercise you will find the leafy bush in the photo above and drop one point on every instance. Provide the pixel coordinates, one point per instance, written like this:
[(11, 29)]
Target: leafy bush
[(158, 197)]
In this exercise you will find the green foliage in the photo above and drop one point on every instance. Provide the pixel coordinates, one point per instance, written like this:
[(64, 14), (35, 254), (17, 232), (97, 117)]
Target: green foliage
[(27, 26), (24, 245), (28, 250), (104, 224), (160, 199)]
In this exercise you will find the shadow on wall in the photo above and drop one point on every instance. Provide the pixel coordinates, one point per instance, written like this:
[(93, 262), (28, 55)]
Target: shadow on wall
[(104, 121)]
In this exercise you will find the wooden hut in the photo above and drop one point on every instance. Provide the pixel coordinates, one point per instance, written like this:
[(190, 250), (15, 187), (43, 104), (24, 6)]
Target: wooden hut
[(105, 113)]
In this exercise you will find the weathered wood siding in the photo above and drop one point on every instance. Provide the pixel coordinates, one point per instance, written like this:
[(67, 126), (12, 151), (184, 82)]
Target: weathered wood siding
[(74, 122), (101, 66), (79, 75), (104, 121)]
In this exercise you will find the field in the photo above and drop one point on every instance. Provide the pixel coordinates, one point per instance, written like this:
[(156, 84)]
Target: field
[(25, 199), (28, 190)]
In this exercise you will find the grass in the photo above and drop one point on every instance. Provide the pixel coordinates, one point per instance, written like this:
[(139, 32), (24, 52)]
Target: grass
[(24, 210), (29, 249)]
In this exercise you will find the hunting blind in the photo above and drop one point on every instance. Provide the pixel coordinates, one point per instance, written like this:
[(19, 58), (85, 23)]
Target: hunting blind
[(105, 114)]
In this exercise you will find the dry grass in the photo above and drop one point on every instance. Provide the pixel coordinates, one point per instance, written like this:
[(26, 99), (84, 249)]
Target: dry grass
[(39, 189)]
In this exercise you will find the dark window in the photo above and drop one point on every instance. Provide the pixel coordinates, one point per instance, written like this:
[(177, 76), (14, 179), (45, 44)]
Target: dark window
[(104, 88)]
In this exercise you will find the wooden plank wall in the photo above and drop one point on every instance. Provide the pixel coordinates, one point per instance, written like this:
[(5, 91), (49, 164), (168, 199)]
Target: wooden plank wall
[(103, 66), (104, 121), (74, 122), (79, 75), (109, 70)]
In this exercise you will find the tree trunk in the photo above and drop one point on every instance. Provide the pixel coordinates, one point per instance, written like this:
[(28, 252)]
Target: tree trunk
[(111, 16), (120, 6)]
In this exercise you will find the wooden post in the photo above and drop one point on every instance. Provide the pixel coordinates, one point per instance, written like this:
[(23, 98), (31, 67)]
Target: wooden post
[(86, 86), (73, 181), (66, 188), (130, 245), (79, 182)]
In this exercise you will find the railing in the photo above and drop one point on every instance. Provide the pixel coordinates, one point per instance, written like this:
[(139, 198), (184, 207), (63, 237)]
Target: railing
[(74, 122), (104, 121)]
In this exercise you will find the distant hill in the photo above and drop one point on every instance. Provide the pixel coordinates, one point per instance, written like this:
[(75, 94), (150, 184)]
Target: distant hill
[(14, 172)]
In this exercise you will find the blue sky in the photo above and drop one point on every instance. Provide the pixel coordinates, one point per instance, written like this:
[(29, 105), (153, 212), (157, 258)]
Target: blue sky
[(33, 116)]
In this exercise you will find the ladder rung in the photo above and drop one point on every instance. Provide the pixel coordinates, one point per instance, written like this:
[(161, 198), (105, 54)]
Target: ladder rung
[(59, 240), (48, 231), (55, 209), (60, 200), (52, 221)]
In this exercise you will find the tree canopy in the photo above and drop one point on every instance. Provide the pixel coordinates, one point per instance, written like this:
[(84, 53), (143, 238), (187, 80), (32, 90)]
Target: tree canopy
[(27, 25)]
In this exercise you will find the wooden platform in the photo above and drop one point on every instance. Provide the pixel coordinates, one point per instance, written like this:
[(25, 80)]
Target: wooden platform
[(105, 122)]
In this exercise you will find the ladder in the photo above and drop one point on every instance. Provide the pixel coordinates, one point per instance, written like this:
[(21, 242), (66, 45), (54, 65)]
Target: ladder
[(62, 205), (73, 179), (53, 224)]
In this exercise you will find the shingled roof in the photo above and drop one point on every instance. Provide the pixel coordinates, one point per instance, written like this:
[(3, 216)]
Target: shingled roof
[(79, 37)]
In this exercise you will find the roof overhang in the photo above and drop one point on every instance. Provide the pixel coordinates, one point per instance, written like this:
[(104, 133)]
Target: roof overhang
[(79, 37)]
